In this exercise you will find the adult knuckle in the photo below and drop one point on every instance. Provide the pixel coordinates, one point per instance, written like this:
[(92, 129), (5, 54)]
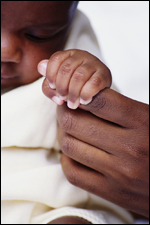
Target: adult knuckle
[(123, 177), (131, 176), (93, 131), (137, 149), (67, 145), (99, 102), (72, 176), (132, 151), (66, 122)]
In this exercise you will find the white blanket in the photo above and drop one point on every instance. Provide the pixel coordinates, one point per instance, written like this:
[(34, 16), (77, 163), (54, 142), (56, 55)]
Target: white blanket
[(34, 188)]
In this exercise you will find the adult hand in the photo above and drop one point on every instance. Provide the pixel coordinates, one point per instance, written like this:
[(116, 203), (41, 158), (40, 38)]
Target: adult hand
[(106, 149)]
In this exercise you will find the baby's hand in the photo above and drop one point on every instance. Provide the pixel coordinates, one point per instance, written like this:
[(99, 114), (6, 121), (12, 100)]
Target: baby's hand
[(75, 76)]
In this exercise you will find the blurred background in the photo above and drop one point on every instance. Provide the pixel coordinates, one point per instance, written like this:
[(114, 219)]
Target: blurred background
[(122, 30)]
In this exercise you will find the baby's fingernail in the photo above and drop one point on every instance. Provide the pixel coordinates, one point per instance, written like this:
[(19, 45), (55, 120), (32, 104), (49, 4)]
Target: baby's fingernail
[(63, 97), (52, 86), (57, 100), (72, 105), (42, 66), (85, 102)]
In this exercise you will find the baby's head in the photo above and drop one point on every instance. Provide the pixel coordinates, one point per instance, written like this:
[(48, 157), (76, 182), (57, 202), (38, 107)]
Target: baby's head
[(31, 31)]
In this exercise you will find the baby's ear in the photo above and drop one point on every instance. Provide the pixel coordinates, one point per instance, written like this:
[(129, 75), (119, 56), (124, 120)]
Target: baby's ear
[(42, 66)]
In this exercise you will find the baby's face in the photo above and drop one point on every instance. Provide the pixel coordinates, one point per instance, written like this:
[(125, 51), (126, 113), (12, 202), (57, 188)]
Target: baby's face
[(31, 31)]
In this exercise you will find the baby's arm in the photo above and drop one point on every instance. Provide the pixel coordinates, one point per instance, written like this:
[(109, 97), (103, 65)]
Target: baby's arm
[(75, 75)]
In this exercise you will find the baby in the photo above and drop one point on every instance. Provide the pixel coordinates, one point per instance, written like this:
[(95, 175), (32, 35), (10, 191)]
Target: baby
[(47, 35)]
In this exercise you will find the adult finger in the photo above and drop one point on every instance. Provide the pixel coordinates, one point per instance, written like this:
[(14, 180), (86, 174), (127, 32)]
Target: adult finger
[(92, 157), (92, 130), (78, 173), (92, 181), (114, 107), (113, 190)]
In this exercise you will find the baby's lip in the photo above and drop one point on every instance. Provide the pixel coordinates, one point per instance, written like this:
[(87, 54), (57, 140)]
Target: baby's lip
[(3, 76)]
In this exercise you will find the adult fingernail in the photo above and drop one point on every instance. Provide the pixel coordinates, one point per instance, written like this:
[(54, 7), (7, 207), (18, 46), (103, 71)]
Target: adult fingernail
[(85, 102), (42, 66)]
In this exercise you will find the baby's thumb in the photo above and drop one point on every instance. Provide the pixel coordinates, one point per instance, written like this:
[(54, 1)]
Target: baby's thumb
[(42, 66)]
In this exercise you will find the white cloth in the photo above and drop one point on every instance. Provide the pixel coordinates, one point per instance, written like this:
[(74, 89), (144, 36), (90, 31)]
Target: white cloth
[(34, 189), (122, 30)]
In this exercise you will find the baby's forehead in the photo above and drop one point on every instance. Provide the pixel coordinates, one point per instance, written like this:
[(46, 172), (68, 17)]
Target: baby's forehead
[(54, 12)]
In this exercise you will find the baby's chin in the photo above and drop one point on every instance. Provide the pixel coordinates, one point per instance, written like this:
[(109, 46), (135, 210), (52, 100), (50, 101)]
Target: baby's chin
[(7, 87), (8, 83), (4, 90)]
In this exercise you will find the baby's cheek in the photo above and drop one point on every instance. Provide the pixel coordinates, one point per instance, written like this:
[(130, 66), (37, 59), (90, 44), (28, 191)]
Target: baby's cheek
[(28, 68), (29, 74)]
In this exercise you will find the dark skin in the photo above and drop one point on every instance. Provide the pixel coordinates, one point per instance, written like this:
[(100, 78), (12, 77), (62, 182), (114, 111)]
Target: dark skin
[(24, 39), (25, 42), (106, 148)]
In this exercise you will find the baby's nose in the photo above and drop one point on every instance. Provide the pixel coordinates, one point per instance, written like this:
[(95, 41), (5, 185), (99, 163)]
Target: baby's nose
[(10, 48)]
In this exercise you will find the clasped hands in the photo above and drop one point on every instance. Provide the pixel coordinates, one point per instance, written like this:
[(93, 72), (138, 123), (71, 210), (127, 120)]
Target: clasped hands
[(105, 144)]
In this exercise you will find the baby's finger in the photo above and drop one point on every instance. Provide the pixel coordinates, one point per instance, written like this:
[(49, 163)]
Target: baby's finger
[(54, 63), (94, 85), (50, 93), (65, 74), (42, 67), (81, 75)]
